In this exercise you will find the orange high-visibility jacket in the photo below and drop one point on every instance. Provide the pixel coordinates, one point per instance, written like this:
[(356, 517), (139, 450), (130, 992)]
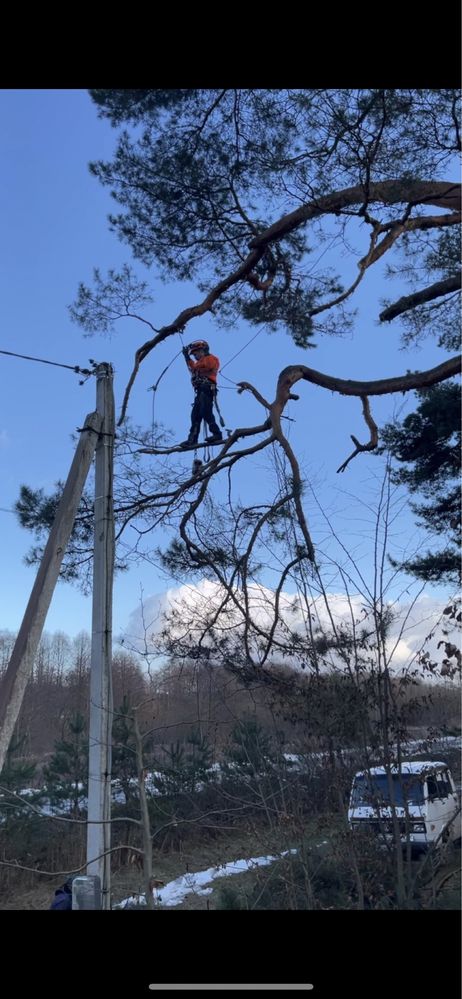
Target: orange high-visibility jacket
[(206, 367)]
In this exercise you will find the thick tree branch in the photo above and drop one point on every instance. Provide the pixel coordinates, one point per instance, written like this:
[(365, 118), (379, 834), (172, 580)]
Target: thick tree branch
[(226, 458), (395, 229), (376, 251), (435, 290), (384, 386), (296, 478), (235, 436), (441, 193), (247, 387)]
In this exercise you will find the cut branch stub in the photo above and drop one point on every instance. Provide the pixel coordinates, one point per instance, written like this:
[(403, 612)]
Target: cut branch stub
[(374, 438)]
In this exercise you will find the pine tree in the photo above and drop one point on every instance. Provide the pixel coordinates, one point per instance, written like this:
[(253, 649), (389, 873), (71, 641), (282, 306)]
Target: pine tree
[(237, 190), (427, 447), (250, 750), (185, 765), (15, 777), (66, 774), (124, 752)]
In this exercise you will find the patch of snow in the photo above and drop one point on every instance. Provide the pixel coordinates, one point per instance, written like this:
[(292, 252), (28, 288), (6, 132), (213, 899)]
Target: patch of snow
[(175, 891)]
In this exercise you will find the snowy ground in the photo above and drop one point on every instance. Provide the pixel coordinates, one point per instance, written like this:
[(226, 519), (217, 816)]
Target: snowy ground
[(175, 891), (302, 763)]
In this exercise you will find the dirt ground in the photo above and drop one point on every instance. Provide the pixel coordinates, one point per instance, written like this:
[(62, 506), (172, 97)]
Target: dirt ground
[(229, 847), (166, 867)]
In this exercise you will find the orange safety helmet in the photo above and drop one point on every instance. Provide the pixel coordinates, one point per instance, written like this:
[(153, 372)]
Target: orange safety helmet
[(198, 345)]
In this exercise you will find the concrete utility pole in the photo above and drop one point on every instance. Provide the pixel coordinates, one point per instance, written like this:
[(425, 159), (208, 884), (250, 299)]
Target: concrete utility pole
[(99, 762), (25, 647)]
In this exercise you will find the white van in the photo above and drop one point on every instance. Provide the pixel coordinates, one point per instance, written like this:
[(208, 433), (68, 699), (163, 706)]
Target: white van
[(425, 799)]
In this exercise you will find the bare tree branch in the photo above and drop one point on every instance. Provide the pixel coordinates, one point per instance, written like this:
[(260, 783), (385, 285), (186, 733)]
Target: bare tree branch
[(435, 290), (383, 386), (395, 229), (372, 443), (441, 193)]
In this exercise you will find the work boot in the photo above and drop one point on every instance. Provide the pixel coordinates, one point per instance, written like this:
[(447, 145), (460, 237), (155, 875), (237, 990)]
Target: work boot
[(215, 439), (193, 435)]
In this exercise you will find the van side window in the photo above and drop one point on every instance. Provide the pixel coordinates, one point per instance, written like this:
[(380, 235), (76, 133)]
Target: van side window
[(444, 787), (450, 782), (439, 786), (432, 787)]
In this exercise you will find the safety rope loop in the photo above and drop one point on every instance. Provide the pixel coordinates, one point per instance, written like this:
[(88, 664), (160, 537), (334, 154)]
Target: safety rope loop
[(215, 399), (153, 388)]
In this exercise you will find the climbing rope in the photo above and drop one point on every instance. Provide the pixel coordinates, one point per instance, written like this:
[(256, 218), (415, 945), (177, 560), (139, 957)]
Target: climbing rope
[(153, 389)]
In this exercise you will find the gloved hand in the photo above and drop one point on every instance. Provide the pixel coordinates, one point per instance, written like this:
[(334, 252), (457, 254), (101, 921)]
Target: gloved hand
[(185, 353)]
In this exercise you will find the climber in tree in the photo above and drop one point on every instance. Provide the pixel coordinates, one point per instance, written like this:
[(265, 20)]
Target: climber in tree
[(204, 369)]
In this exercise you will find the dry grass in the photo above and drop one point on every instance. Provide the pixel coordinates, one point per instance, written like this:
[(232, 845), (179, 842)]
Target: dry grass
[(166, 867)]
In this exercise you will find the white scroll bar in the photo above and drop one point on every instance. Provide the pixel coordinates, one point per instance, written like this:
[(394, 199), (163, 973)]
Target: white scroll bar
[(183, 988)]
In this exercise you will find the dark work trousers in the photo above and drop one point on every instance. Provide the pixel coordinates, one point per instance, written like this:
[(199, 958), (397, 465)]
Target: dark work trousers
[(203, 410)]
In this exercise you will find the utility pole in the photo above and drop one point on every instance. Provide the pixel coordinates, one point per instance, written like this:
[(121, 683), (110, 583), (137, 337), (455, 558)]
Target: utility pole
[(101, 708), (25, 647)]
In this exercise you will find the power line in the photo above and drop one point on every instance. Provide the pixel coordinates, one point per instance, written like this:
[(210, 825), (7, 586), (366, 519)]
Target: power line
[(56, 364)]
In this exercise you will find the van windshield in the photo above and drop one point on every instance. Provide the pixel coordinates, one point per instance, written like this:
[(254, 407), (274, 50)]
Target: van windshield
[(373, 790)]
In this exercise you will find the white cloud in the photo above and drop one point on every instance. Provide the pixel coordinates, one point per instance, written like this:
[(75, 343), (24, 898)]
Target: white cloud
[(189, 606)]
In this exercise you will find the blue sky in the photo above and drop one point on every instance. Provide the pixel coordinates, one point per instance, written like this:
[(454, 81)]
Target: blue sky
[(54, 232)]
